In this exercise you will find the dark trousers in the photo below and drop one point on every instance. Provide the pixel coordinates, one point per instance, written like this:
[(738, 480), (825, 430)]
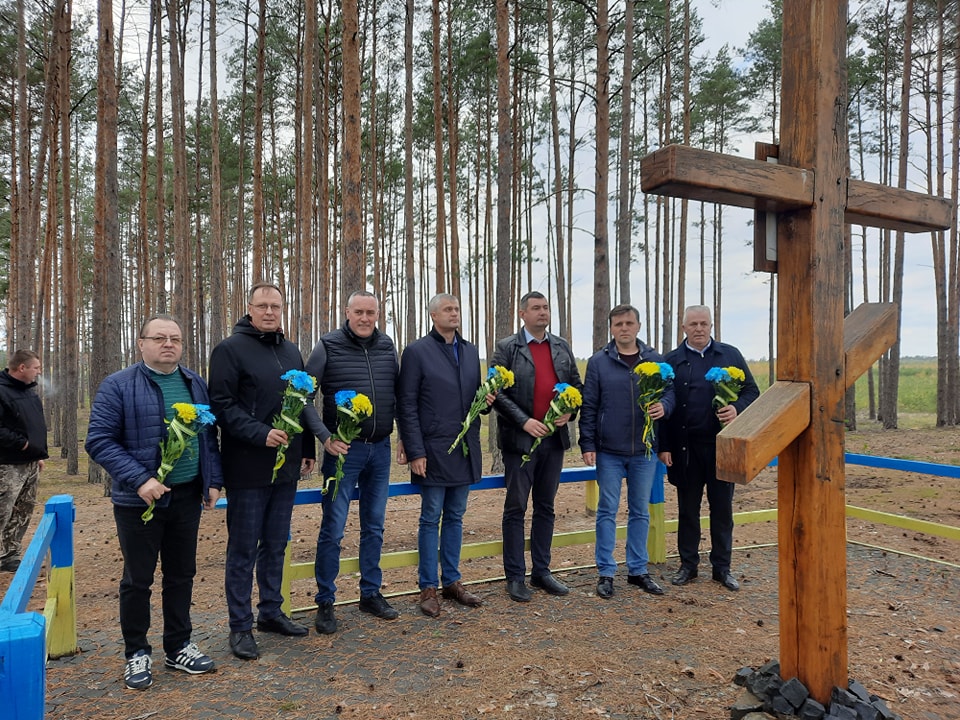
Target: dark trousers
[(170, 537), (540, 477), (698, 470), (258, 527)]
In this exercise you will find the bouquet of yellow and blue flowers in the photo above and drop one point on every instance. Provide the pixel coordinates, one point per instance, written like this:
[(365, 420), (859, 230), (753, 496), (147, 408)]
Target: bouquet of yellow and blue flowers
[(727, 384), (295, 396), (566, 400), (187, 422), (352, 409), (498, 377), (653, 379)]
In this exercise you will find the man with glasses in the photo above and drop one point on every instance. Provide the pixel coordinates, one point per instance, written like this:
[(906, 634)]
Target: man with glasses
[(23, 448), (128, 421), (355, 357), (246, 391)]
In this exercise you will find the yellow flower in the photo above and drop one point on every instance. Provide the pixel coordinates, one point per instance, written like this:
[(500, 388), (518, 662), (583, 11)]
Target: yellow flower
[(736, 373), (362, 405), (505, 375), (186, 412), (647, 368), (572, 397)]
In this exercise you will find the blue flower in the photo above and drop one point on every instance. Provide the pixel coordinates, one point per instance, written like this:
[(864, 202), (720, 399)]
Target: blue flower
[(717, 374), (204, 416), (666, 371), (344, 397), (560, 387), (300, 380)]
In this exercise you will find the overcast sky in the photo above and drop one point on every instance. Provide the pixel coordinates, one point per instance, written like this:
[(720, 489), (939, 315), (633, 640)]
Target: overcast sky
[(745, 295)]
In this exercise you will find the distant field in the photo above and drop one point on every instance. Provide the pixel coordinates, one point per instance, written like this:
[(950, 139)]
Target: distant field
[(918, 388)]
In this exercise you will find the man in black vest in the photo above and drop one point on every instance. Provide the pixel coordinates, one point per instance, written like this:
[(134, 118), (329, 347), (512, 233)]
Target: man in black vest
[(355, 357)]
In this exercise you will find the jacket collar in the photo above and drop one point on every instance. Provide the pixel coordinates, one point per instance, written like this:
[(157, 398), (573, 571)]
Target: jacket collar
[(353, 337), (244, 326)]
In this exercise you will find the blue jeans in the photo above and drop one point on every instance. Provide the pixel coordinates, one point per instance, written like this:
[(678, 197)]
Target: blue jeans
[(638, 471), (438, 542), (366, 468)]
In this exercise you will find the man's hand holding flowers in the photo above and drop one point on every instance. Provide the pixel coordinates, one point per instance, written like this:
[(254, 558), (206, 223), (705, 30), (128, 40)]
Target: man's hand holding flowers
[(727, 384), (653, 380), (498, 378), (352, 409), (286, 424), (566, 400), (188, 421)]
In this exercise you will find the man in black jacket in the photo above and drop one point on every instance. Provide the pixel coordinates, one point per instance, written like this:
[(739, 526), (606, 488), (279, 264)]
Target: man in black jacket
[(689, 445), (246, 392), (23, 448), (539, 361), (355, 357), (439, 377)]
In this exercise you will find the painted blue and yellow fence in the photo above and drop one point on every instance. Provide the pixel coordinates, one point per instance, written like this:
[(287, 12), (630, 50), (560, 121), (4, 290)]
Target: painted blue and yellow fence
[(28, 638), (656, 542)]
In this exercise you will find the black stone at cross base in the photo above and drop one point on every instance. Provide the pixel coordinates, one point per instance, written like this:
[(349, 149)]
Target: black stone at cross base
[(767, 695)]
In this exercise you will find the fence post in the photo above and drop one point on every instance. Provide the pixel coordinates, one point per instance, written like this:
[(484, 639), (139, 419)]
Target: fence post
[(62, 636), (23, 665), (657, 535)]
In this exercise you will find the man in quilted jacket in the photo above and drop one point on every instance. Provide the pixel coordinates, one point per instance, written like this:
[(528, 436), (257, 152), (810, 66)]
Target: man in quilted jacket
[(128, 422)]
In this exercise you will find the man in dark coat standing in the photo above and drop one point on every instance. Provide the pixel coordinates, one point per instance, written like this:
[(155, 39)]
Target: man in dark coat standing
[(689, 445), (23, 448), (439, 377), (246, 393), (539, 361)]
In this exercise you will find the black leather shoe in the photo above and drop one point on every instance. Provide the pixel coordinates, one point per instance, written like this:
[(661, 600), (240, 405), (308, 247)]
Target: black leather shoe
[(645, 583), (727, 580), (683, 575), (377, 606), (549, 584), (605, 587), (282, 625), (326, 622), (518, 591), (243, 645)]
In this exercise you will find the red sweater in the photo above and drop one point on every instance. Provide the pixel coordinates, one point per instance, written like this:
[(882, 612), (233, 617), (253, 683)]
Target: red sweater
[(545, 379)]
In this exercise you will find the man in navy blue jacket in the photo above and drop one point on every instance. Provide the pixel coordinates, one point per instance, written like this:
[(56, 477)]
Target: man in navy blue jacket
[(689, 445), (439, 377), (127, 424), (612, 438)]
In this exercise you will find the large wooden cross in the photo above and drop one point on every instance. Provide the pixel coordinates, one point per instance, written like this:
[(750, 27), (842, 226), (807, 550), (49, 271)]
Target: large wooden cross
[(819, 354)]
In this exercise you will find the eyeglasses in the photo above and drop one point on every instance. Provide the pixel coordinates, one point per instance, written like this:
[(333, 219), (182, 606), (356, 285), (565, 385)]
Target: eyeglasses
[(263, 307), (162, 339)]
